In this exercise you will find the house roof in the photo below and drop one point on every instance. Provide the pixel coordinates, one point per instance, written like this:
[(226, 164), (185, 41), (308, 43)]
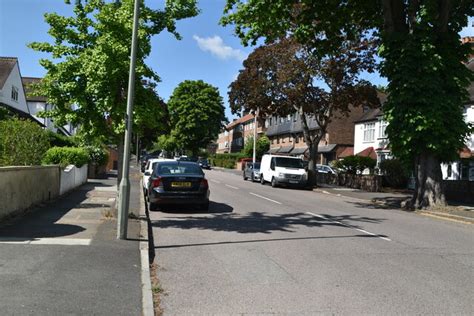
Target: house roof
[(348, 151), (470, 90), (299, 150), (243, 119), (370, 115), (326, 148), (285, 149), (368, 152), (6, 66), (27, 81), (465, 153)]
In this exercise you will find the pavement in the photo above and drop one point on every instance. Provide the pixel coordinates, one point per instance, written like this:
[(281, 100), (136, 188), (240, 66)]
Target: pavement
[(389, 200), (63, 258)]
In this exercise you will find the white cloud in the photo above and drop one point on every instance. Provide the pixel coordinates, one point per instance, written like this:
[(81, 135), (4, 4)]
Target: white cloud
[(215, 45)]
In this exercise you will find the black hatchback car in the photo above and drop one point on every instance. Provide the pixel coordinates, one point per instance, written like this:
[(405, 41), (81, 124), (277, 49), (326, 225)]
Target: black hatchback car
[(178, 183)]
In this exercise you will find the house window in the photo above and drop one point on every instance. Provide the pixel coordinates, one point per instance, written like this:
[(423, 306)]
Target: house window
[(382, 129), (14, 93), (226, 144), (369, 132), (278, 140)]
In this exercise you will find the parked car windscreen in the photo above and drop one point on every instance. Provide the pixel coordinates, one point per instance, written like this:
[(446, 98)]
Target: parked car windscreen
[(256, 165), (173, 168), (288, 162)]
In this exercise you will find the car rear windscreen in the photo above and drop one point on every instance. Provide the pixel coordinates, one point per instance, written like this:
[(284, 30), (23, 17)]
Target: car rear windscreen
[(178, 169)]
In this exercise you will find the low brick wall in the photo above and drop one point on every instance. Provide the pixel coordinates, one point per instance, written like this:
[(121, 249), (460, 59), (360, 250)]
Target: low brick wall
[(461, 191), (371, 183), (22, 187)]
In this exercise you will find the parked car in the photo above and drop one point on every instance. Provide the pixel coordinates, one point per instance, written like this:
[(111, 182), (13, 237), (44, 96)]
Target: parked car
[(283, 170), (325, 169), (149, 167), (252, 171), (204, 163), (177, 183), (144, 159)]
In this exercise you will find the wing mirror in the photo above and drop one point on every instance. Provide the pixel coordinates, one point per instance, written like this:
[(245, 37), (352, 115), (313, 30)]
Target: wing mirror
[(148, 173)]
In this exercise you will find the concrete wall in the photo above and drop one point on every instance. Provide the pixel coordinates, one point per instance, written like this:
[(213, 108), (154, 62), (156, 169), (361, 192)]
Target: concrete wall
[(22, 187), (72, 177)]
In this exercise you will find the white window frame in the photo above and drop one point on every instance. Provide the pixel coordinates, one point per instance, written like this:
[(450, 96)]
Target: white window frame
[(369, 132), (15, 93), (383, 129)]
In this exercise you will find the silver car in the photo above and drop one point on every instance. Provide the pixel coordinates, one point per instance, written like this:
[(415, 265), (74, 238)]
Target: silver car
[(252, 171)]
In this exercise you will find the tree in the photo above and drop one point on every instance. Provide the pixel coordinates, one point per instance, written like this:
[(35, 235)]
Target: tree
[(196, 114), (283, 78), (263, 145), (87, 76), (422, 55)]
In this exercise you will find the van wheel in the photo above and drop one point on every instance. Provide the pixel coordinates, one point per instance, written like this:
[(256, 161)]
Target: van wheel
[(274, 183)]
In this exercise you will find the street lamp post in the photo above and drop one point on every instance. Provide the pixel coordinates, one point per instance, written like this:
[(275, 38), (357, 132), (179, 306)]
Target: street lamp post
[(124, 187)]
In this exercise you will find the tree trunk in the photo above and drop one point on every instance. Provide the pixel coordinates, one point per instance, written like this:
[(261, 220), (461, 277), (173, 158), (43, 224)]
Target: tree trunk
[(429, 182)]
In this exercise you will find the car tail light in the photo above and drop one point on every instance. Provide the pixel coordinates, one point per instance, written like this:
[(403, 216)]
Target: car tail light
[(156, 183), (204, 184)]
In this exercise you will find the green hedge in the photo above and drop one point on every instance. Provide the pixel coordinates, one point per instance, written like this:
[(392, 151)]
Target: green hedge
[(22, 143), (66, 156), (226, 160), (355, 164), (395, 173), (97, 155)]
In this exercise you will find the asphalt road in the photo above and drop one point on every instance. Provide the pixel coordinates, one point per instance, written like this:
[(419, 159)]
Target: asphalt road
[(262, 250)]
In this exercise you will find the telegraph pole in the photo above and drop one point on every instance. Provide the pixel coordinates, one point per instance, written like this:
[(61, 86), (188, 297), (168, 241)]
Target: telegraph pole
[(124, 187)]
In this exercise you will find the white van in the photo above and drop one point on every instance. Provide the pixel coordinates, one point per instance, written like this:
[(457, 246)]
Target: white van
[(285, 170)]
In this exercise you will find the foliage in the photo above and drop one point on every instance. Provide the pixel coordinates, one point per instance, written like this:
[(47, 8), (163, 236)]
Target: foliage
[(59, 140), (97, 155), (355, 164), (422, 55), (90, 63), (226, 160), (263, 145), (395, 173), (196, 114), (65, 156), (22, 143), (285, 77)]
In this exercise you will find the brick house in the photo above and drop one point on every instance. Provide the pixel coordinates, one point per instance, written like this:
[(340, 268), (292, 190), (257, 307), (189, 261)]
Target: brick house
[(286, 135), (234, 135)]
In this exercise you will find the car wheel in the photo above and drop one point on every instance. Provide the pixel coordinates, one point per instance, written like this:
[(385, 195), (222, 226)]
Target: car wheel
[(152, 207), (274, 183), (253, 177), (205, 207), (262, 181), (245, 178)]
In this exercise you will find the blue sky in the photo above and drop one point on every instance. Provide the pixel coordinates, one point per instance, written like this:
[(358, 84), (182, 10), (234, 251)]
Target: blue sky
[(207, 51)]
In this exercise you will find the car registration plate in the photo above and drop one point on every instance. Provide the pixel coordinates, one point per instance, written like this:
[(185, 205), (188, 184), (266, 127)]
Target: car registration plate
[(180, 184), (293, 181)]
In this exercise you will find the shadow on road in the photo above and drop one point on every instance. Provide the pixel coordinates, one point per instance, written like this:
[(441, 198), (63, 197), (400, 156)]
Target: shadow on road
[(261, 240), (260, 222)]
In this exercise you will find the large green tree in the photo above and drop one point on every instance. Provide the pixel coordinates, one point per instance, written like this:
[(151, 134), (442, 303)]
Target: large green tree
[(284, 78), (87, 76), (196, 114), (422, 60)]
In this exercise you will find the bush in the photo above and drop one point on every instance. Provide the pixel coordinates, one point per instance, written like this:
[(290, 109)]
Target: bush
[(22, 143), (355, 164), (97, 155), (66, 156), (226, 160), (395, 173), (58, 140), (263, 145)]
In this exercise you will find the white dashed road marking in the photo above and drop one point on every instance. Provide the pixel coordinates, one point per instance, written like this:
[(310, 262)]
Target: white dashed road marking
[(265, 198), (232, 187), (215, 181), (348, 226)]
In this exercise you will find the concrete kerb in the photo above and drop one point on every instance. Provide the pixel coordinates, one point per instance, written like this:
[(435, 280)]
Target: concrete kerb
[(147, 296)]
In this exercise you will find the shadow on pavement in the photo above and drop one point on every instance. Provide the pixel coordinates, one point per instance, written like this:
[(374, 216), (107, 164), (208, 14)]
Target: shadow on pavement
[(260, 222), (41, 221), (385, 203)]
